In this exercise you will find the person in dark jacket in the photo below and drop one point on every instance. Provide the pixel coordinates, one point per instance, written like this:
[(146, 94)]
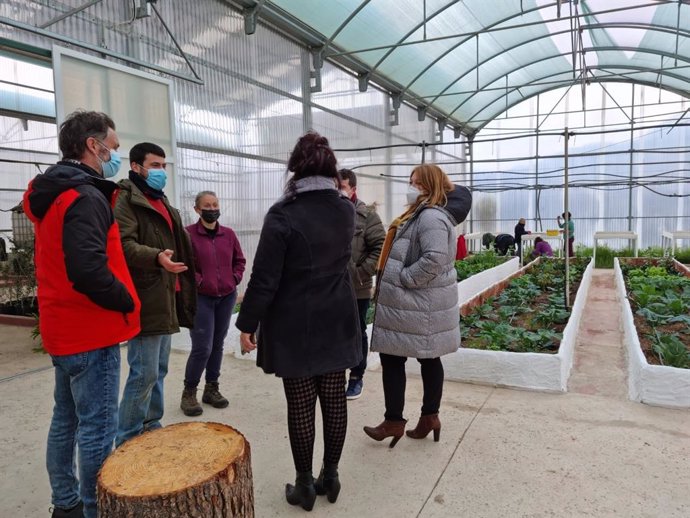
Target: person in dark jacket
[(301, 300), (366, 248), (417, 303), (503, 243), (519, 232), (87, 304), (160, 258), (219, 266)]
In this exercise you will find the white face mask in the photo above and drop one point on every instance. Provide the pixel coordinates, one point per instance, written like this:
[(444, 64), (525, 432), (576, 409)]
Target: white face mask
[(412, 194)]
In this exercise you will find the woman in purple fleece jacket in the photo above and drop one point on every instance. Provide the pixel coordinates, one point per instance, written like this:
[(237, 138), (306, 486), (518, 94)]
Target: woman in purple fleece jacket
[(219, 265), (541, 247)]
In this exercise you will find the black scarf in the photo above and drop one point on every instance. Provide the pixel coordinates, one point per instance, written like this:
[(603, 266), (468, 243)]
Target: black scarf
[(140, 182)]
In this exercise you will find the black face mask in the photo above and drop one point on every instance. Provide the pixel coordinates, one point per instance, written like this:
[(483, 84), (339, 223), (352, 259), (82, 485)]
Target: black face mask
[(210, 216)]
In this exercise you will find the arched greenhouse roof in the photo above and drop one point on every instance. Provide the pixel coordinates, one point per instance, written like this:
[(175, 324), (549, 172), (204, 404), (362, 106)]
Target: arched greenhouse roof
[(466, 61)]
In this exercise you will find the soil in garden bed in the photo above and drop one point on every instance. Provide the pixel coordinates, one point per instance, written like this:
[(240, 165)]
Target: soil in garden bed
[(531, 320)]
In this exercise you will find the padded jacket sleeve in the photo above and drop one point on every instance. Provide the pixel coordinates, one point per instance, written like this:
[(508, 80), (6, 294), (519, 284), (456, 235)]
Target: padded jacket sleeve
[(374, 236), (85, 229)]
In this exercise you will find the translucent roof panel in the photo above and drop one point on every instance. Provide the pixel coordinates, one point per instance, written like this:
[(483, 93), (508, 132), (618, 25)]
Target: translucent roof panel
[(467, 60)]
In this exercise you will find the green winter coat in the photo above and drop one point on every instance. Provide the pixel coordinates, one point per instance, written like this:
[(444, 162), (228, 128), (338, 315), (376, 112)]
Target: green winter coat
[(145, 233), (366, 248)]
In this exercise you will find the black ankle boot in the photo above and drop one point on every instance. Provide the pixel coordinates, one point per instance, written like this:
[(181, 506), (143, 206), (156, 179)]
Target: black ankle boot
[(328, 482), (303, 492)]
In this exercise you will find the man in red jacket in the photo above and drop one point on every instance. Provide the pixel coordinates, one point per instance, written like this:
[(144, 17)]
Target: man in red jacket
[(87, 304)]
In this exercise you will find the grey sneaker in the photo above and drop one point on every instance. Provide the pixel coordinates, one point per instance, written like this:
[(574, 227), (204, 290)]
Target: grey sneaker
[(189, 404), (354, 389), (213, 397)]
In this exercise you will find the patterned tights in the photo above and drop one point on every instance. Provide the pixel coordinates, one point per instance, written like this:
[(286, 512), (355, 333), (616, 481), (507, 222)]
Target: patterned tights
[(301, 395)]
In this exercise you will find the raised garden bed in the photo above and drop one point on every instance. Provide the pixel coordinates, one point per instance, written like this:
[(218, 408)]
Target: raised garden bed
[(548, 369), (655, 311), (482, 276)]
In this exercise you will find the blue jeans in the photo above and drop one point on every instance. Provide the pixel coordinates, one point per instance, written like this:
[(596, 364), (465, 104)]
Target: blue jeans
[(211, 325), (357, 372), (141, 408), (84, 422)]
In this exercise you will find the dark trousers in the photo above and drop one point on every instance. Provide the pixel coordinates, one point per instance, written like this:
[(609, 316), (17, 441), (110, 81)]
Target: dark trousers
[(301, 395), (394, 381), (211, 325), (358, 371), (568, 248)]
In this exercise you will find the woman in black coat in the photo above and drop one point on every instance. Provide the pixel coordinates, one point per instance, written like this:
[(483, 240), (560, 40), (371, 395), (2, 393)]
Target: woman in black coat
[(301, 301)]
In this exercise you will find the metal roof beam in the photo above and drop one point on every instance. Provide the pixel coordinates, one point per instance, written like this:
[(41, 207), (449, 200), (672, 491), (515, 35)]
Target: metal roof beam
[(611, 78), (414, 29), (525, 42), (300, 32), (587, 49), (69, 13), (548, 84), (489, 29)]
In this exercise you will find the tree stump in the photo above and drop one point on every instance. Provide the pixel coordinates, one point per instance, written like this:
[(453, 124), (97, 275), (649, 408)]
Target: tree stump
[(184, 470)]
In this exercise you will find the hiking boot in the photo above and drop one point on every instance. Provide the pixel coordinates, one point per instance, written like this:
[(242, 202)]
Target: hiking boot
[(76, 512), (189, 404), (354, 388), (213, 397)]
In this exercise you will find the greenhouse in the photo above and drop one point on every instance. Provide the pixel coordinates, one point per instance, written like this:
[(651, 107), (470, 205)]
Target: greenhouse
[(567, 123)]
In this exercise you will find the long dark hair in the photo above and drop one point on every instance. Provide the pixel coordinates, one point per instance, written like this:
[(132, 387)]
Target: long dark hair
[(312, 156)]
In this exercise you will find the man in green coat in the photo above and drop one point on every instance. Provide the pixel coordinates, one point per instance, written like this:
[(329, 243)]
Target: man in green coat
[(366, 248), (160, 259)]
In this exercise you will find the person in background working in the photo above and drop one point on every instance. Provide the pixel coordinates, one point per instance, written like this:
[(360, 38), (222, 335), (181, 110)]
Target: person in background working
[(519, 232), (366, 248), (87, 302), (541, 248), (417, 302), (567, 223), (219, 266), (160, 259), (503, 244), (301, 301)]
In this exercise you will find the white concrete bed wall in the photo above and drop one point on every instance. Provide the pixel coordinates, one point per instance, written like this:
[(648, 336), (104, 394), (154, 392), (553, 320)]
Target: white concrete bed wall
[(651, 384), (474, 285)]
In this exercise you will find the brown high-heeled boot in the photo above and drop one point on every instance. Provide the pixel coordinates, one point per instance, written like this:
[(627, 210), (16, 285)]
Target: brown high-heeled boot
[(426, 424), (387, 429)]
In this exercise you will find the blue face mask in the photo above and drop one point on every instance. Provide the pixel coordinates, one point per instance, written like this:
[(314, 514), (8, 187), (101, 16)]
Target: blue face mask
[(156, 179), (112, 166)]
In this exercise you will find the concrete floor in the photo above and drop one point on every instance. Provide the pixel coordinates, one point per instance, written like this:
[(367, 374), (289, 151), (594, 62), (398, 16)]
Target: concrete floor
[(503, 453)]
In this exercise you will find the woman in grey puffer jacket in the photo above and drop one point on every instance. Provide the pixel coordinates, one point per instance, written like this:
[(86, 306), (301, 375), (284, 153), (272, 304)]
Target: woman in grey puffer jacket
[(417, 299)]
